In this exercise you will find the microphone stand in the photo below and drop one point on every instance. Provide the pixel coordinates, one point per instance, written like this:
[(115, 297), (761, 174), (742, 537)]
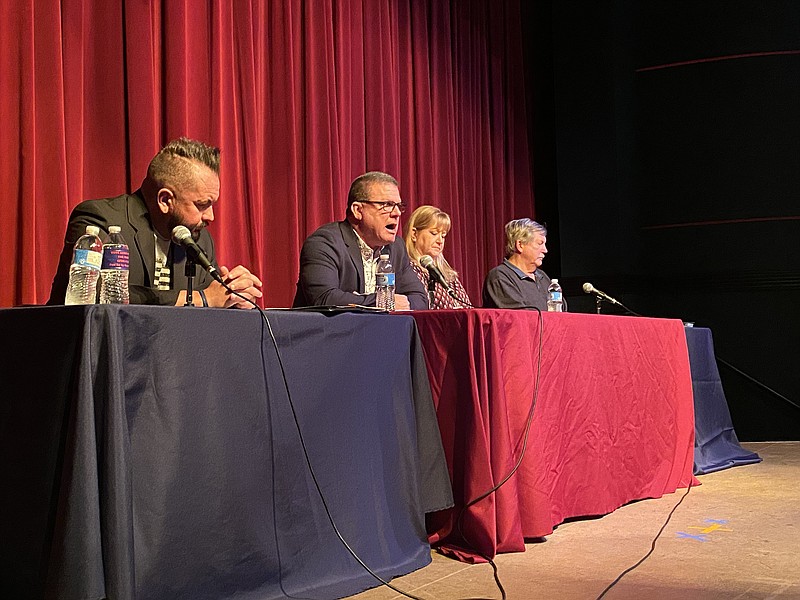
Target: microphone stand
[(431, 290), (190, 272), (600, 300)]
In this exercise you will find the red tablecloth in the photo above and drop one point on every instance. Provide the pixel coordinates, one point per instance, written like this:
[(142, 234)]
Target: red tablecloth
[(614, 419)]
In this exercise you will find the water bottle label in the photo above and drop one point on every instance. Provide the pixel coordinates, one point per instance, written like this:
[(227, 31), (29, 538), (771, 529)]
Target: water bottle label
[(115, 258), (384, 279), (555, 296), (87, 258)]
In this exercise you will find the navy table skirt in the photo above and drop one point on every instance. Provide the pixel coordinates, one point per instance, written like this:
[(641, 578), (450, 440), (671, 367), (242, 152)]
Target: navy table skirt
[(715, 444), (151, 452)]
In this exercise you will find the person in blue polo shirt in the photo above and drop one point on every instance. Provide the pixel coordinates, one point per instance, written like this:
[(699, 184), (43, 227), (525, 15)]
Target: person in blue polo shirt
[(519, 281)]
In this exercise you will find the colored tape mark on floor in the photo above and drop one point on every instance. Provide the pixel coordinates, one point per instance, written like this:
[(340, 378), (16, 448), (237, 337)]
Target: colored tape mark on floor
[(713, 526), (700, 538)]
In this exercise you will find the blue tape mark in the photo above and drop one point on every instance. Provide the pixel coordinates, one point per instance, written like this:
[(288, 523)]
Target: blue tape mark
[(702, 537), (720, 521)]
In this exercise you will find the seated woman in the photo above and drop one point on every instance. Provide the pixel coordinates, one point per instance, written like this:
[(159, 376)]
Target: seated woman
[(425, 234)]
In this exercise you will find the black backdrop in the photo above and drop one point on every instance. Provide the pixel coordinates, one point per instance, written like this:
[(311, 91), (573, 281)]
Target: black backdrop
[(666, 142)]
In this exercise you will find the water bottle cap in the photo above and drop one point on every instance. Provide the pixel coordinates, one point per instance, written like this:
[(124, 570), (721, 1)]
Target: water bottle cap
[(554, 280), (114, 229), (92, 230)]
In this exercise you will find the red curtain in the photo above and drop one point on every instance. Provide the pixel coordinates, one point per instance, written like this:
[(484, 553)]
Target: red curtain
[(301, 96)]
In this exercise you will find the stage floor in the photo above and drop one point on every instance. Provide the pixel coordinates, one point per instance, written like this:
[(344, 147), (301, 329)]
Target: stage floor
[(735, 536)]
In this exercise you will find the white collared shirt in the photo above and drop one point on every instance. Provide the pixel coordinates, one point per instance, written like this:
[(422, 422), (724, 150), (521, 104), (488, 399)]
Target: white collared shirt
[(369, 258)]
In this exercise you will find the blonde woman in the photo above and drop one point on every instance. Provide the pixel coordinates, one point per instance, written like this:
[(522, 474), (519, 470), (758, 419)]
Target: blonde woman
[(426, 231)]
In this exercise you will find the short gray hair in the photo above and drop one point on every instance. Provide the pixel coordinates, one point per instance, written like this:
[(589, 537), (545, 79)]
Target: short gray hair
[(521, 230), (359, 189)]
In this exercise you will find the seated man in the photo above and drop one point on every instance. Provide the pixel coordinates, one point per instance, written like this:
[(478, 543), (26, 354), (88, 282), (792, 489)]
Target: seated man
[(519, 282), (181, 188), (338, 261)]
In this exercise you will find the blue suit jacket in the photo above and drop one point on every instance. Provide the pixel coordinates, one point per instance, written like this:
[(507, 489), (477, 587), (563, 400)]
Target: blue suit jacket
[(332, 272)]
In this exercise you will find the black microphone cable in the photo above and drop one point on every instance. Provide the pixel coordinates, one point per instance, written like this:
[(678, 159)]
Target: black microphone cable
[(674, 508), (525, 435), (652, 545), (339, 535), (472, 502), (752, 379), (429, 266), (458, 298)]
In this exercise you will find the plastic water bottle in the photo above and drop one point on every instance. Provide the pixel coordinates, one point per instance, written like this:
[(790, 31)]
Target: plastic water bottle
[(87, 258), (555, 302), (384, 284), (114, 274)]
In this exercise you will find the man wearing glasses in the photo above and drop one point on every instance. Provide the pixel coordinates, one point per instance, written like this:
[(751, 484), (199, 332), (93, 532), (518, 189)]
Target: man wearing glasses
[(338, 261)]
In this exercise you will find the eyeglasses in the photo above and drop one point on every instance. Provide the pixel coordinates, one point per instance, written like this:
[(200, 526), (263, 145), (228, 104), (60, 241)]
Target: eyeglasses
[(385, 206)]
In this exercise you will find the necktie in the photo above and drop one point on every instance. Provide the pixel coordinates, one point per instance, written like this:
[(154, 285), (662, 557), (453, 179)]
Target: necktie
[(162, 279)]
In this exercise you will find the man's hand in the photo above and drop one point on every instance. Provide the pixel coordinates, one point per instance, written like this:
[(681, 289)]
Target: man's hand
[(401, 302), (240, 280)]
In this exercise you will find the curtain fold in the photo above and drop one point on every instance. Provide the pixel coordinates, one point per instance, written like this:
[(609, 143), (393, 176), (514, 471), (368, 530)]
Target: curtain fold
[(301, 95)]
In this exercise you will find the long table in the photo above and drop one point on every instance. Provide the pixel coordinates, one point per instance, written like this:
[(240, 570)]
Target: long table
[(613, 420), (150, 452)]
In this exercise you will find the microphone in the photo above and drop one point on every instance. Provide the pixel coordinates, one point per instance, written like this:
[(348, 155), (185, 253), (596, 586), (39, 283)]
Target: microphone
[(183, 237), (590, 289), (427, 262)]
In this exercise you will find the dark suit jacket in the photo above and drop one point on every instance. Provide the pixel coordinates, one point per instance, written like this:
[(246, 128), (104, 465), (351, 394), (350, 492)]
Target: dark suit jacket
[(129, 211), (332, 272)]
